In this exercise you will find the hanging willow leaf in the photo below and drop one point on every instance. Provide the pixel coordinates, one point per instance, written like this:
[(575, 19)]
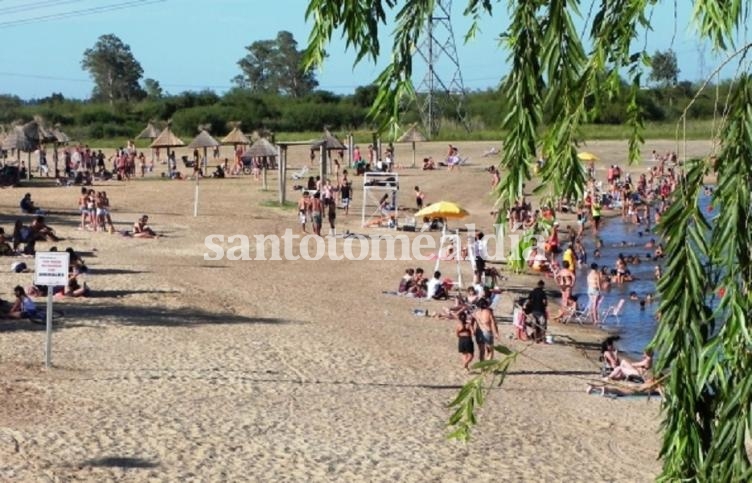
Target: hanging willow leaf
[(707, 397)]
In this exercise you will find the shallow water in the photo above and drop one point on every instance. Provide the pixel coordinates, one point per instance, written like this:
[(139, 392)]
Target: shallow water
[(636, 326)]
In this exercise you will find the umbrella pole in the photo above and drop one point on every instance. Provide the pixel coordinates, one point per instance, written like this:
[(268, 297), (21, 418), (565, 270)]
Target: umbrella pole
[(28, 168), (206, 159), (413, 154), (263, 174)]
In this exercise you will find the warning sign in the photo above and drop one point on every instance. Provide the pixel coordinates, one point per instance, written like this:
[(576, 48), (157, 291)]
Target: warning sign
[(51, 268)]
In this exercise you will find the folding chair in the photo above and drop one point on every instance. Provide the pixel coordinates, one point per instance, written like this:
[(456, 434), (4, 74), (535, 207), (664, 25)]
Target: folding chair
[(613, 311), (300, 174)]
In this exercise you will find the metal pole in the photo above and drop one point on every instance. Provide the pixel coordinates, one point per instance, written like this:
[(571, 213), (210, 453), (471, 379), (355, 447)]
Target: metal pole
[(48, 343)]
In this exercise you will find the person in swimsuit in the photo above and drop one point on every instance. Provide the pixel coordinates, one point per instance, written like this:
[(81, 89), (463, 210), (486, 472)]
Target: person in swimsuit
[(486, 329), (317, 213), (566, 279), (594, 291), (464, 330), (345, 191), (627, 369), (303, 205), (419, 197), (142, 230)]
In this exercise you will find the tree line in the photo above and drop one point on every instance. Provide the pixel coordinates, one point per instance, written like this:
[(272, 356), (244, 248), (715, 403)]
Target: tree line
[(274, 92)]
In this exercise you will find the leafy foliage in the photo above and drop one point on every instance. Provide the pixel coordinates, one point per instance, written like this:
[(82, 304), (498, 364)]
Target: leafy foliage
[(276, 66), (114, 69), (708, 403), (664, 68)]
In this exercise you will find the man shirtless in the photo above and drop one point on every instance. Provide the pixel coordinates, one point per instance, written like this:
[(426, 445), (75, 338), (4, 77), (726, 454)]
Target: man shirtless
[(487, 330), (303, 207), (566, 279), (594, 291), (317, 213)]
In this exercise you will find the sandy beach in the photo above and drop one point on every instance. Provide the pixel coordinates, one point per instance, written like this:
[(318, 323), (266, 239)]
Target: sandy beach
[(183, 369)]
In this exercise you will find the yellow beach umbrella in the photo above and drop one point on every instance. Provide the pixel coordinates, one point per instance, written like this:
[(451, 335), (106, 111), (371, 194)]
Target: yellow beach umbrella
[(443, 209), (585, 156)]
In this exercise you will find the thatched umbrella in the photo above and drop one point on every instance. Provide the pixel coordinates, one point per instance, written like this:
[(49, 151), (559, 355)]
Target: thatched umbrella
[(167, 139), (236, 137), (28, 138), (262, 148), (326, 145), (206, 141), (412, 135), (151, 133)]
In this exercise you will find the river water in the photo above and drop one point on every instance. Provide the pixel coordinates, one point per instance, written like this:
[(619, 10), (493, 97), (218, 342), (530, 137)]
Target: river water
[(635, 325)]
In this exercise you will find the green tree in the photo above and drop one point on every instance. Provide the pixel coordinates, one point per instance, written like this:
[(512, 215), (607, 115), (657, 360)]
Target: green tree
[(153, 89), (114, 69), (276, 66), (664, 68), (704, 348)]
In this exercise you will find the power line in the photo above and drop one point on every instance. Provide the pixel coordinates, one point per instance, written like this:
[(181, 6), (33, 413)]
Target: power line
[(78, 13), (35, 6), (186, 86)]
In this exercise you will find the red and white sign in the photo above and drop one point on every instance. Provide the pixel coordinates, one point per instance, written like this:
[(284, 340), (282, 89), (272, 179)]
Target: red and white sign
[(51, 268)]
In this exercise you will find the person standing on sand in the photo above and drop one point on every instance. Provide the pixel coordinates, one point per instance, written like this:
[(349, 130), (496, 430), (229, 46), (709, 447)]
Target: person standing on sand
[(594, 291), (464, 330), (317, 213), (537, 306), (331, 212), (419, 197), (487, 329), (566, 279), (303, 205)]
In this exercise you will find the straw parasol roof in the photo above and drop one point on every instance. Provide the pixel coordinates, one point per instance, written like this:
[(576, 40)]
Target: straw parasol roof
[(235, 137), (149, 132), (60, 136), (412, 135), (28, 137), (203, 140), (16, 139), (261, 148), (167, 139), (330, 142)]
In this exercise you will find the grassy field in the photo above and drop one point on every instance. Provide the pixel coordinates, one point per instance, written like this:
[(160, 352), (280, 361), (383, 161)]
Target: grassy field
[(696, 129)]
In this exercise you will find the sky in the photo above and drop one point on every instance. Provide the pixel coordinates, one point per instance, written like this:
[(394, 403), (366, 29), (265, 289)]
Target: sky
[(195, 44)]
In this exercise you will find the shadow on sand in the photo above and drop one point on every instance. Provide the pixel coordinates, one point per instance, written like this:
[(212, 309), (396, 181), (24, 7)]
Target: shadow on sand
[(120, 462), (79, 316)]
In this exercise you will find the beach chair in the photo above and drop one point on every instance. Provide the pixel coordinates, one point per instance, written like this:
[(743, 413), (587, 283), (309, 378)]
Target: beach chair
[(491, 152), (300, 174), (613, 311)]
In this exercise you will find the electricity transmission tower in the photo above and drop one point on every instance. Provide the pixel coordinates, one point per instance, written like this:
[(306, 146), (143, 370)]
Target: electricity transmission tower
[(441, 93)]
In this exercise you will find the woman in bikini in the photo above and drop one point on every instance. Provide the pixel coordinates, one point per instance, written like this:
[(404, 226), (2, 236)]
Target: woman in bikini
[(464, 331)]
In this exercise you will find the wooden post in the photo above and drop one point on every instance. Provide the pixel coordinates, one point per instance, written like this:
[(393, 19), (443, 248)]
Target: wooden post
[(264, 170), (350, 147), (282, 169), (322, 164)]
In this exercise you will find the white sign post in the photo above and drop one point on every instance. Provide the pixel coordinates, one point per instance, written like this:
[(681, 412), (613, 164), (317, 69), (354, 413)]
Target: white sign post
[(50, 269)]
